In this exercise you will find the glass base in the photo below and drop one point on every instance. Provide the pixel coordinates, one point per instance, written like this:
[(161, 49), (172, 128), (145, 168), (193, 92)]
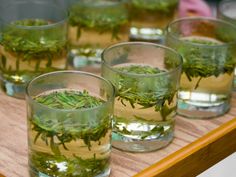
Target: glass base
[(196, 111), (13, 89), (85, 62), (147, 34), (136, 145), (35, 173)]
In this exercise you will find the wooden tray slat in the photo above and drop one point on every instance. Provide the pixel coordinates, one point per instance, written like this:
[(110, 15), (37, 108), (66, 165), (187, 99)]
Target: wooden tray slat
[(197, 156)]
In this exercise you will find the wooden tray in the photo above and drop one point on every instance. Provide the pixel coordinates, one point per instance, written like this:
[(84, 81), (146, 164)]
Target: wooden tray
[(192, 151)]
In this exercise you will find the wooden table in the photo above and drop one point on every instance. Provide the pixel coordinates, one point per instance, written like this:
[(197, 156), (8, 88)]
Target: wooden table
[(193, 150)]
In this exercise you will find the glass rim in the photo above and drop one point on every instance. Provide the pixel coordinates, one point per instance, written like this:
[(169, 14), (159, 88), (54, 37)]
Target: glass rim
[(211, 19), (220, 6), (57, 23), (168, 72), (104, 104), (111, 4)]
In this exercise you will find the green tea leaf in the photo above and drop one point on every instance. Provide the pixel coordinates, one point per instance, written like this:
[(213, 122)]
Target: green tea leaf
[(89, 17), (200, 63), (27, 45), (75, 167), (142, 92), (49, 129)]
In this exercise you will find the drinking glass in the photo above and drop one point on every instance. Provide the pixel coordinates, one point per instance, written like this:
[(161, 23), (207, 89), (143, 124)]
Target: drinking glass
[(226, 11), (33, 40), (146, 77), (150, 17), (69, 124), (93, 25), (208, 49)]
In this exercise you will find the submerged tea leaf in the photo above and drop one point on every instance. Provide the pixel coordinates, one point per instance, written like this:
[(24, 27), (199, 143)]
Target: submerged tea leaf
[(138, 86), (129, 88), (91, 17), (26, 44), (156, 5), (77, 167), (201, 63), (57, 134)]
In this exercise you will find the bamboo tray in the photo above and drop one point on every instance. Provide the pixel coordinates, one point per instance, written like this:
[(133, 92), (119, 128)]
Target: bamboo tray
[(198, 144)]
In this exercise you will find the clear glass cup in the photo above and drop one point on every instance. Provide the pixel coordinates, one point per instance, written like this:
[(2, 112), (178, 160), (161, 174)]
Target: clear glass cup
[(150, 17), (69, 124), (208, 48), (226, 11), (146, 77), (93, 25), (33, 40)]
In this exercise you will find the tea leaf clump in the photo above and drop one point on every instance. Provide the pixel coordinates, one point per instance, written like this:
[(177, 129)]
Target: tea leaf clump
[(157, 92), (202, 63), (164, 6), (89, 16), (57, 133), (55, 165), (32, 44)]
